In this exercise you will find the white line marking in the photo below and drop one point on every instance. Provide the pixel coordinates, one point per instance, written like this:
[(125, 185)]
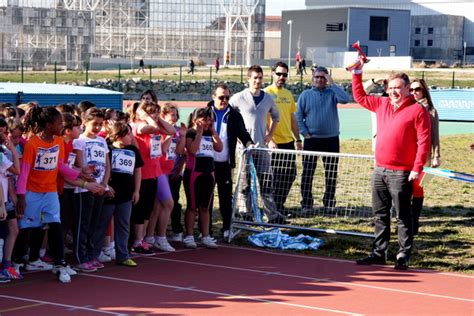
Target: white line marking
[(316, 279), (226, 295), (337, 260), (73, 307)]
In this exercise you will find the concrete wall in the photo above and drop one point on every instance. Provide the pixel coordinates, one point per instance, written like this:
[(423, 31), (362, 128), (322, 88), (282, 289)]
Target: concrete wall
[(399, 30)]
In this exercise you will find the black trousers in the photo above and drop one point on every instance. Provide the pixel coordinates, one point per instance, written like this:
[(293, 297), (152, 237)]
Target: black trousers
[(330, 144), (392, 187), (223, 177), (284, 174)]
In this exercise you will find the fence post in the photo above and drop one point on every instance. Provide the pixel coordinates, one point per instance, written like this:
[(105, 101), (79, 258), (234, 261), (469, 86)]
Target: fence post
[(452, 82), (55, 73), (87, 73), (423, 75), (119, 77), (241, 75), (22, 72), (151, 84), (180, 77)]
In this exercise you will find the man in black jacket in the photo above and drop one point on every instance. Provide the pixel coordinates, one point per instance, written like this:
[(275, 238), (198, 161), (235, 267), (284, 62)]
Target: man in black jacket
[(230, 126)]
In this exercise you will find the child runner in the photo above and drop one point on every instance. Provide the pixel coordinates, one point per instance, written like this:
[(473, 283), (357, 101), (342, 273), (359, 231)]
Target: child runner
[(38, 202), (172, 162), (146, 128), (9, 165), (125, 179), (201, 142), (91, 153)]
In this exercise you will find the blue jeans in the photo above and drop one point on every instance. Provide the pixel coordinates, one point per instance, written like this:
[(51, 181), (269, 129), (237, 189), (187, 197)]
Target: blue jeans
[(392, 187)]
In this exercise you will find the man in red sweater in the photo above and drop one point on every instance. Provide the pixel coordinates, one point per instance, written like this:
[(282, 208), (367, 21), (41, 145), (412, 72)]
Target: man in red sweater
[(403, 143)]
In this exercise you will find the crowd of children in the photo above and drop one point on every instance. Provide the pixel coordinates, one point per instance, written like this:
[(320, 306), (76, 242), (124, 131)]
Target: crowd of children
[(100, 184)]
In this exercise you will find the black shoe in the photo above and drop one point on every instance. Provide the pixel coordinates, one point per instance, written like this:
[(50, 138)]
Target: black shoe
[(401, 264), (371, 260), (278, 220)]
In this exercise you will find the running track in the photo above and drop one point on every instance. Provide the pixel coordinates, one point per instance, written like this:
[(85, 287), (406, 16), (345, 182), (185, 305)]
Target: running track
[(241, 281)]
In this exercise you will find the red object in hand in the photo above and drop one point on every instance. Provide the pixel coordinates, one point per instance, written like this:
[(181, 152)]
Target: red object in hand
[(361, 59)]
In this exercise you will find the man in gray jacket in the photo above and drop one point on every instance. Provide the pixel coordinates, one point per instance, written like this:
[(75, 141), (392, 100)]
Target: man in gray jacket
[(254, 105)]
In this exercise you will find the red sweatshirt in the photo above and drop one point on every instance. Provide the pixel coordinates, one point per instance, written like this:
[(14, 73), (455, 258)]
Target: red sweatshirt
[(403, 136)]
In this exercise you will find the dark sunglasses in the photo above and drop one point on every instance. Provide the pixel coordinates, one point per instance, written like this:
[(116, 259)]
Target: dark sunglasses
[(319, 77), (222, 97), (417, 89), (279, 74)]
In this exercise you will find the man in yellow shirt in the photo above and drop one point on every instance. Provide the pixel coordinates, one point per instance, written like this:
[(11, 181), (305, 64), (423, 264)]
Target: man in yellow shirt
[(285, 136)]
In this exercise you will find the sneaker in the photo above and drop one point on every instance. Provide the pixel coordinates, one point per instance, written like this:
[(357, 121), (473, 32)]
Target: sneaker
[(62, 274), (227, 234), (372, 259), (140, 250), (104, 257), (11, 273), (401, 264), (96, 264), (209, 242), (70, 270), (38, 265), (128, 263), (161, 243), (85, 267), (176, 237), (110, 252), (4, 279), (189, 242)]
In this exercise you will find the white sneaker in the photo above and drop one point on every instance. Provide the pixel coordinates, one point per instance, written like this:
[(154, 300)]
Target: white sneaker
[(227, 234), (189, 242), (38, 265), (176, 237), (103, 257), (62, 274), (110, 252), (209, 242), (70, 270), (161, 243)]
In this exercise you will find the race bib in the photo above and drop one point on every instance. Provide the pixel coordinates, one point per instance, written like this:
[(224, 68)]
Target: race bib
[(46, 158), (171, 153), (123, 161), (206, 147), (155, 146), (95, 156), (71, 159)]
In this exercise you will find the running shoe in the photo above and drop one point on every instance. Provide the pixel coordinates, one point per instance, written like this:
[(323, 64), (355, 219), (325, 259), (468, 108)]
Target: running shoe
[(85, 267), (96, 264), (161, 243), (189, 242), (11, 273), (61, 273), (4, 279), (128, 263), (140, 250), (209, 242), (103, 257), (110, 252), (38, 265)]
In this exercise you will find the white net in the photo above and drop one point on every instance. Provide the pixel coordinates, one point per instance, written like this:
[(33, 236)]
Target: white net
[(304, 190)]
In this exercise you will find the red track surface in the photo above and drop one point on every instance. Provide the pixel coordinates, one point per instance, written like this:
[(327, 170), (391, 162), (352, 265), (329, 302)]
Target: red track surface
[(242, 281)]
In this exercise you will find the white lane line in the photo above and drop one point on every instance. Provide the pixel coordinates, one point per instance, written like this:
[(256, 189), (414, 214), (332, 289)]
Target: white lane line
[(338, 260), (225, 295), (69, 307), (316, 279)]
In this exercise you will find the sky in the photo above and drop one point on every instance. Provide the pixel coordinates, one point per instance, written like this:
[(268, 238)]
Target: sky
[(274, 7)]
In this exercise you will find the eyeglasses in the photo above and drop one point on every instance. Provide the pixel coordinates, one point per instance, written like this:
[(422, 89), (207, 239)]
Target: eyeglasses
[(279, 74), (417, 89), (224, 97), (319, 77)]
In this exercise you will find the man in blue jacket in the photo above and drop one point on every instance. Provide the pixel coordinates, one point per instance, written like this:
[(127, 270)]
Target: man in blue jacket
[(318, 122)]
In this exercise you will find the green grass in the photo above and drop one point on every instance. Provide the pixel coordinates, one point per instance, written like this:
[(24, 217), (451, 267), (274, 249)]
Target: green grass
[(446, 238)]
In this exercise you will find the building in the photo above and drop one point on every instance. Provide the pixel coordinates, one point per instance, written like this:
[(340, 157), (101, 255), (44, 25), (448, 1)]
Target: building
[(272, 37), (135, 29), (450, 40), (323, 36)]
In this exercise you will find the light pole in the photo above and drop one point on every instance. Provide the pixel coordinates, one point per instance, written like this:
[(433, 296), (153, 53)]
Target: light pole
[(290, 23)]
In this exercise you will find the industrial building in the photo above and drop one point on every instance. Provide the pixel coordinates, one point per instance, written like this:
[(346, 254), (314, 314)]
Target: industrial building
[(41, 32)]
